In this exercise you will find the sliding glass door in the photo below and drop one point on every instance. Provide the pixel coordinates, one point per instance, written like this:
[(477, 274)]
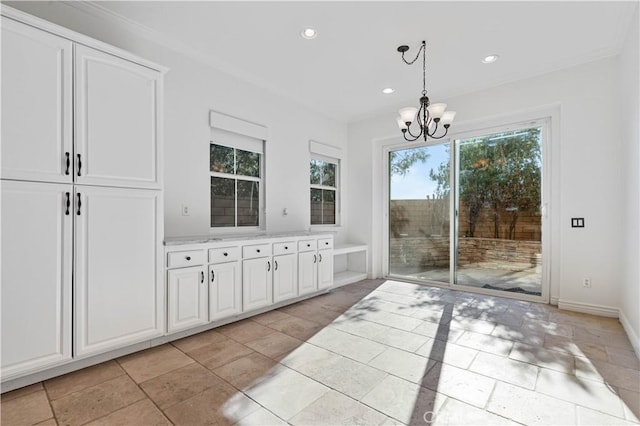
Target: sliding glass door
[(467, 212), (419, 213), (499, 232)]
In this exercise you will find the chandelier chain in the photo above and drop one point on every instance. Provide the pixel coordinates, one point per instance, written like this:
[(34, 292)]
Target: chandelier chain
[(423, 50)]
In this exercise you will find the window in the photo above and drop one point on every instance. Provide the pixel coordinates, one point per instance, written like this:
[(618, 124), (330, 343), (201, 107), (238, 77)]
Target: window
[(236, 185), (324, 190)]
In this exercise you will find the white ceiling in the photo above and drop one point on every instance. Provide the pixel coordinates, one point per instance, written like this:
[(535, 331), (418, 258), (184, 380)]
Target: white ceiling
[(341, 73)]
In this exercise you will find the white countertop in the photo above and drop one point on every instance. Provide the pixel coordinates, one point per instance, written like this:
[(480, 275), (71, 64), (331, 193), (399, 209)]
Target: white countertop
[(200, 239)]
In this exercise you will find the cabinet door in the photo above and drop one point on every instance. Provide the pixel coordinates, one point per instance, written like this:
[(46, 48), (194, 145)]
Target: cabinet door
[(118, 286), (36, 276), (307, 272), (325, 269), (225, 290), (187, 298), (117, 119), (285, 277), (36, 104), (257, 286)]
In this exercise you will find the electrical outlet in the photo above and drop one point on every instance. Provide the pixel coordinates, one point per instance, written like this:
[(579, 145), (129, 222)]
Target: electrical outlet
[(185, 210), (586, 283)]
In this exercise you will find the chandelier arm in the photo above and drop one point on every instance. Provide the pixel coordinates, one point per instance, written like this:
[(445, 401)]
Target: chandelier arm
[(446, 130), (408, 139), (412, 135), (435, 128)]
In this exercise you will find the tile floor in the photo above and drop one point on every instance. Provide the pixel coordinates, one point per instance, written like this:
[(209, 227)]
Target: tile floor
[(374, 352)]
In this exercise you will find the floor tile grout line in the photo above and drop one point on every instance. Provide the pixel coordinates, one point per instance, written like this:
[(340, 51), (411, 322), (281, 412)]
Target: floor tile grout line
[(143, 391), (46, 394)]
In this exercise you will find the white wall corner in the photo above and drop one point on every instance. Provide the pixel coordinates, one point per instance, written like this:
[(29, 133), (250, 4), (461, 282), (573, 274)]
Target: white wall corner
[(631, 334), (588, 308)]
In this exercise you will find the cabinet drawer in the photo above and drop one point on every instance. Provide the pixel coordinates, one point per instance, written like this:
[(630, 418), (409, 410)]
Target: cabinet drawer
[(307, 245), (284, 248), (179, 259), (325, 243), (224, 254), (258, 250)]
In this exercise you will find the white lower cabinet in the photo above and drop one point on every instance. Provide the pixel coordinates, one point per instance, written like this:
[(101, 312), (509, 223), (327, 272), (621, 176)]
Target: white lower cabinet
[(36, 297), (307, 272), (257, 283), (187, 298), (225, 290), (285, 277), (242, 277), (118, 293)]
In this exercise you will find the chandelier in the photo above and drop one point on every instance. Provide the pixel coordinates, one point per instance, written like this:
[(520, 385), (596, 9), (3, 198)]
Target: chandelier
[(431, 117)]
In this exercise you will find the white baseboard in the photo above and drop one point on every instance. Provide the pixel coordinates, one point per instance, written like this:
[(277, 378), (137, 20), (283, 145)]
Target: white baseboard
[(554, 300), (588, 308), (633, 337)]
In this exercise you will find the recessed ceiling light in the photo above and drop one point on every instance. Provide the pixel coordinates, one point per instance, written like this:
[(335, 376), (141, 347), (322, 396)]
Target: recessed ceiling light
[(309, 33), (387, 90), (490, 59)]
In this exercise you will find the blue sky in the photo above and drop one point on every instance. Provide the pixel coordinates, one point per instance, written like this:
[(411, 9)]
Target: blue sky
[(416, 184)]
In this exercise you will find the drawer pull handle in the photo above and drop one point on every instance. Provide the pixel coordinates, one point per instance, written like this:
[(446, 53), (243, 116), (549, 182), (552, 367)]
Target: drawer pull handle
[(188, 257), (308, 245), (225, 254), (286, 248), (258, 250), (326, 243)]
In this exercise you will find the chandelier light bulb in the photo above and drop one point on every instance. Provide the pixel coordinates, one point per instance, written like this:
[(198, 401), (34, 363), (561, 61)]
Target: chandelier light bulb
[(408, 114), (447, 118), (387, 90), (436, 110)]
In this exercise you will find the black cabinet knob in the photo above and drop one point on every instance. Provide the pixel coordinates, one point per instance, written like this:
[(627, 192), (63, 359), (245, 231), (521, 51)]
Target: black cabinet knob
[(225, 254), (188, 257)]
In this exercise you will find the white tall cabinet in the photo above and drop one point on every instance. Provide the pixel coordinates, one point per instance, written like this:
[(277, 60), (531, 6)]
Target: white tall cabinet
[(37, 81), (81, 197), (36, 297)]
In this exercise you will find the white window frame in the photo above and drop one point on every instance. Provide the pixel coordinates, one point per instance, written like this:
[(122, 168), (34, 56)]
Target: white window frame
[(336, 188), (236, 178), (237, 133)]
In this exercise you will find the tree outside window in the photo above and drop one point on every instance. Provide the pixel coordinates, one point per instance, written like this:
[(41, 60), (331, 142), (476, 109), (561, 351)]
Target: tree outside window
[(324, 189), (236, 177)]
